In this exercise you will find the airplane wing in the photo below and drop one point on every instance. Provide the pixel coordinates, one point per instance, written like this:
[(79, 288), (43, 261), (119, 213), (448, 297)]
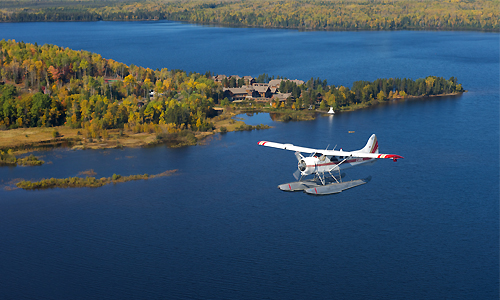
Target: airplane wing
[(329, 152), (288, 147)]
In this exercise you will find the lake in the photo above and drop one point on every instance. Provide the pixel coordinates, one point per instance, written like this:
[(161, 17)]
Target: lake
[(426, 227)]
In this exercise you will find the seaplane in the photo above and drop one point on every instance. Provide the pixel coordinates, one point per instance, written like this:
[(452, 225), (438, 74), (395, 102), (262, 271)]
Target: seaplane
[(326, 166)]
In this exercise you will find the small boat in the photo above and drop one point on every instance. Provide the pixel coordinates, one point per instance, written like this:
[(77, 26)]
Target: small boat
[(331, 111)]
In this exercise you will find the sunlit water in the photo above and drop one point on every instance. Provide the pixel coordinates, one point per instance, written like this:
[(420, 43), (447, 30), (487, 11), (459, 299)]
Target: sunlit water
[(425, 227)]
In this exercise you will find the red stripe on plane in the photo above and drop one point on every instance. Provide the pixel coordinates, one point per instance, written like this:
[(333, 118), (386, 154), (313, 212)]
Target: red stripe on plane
[(393, 156), (347, 161), (375, 147)]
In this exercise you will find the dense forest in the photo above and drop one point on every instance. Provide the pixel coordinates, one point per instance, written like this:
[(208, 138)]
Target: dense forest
[(46, 86), (299, 14), (52, 86)]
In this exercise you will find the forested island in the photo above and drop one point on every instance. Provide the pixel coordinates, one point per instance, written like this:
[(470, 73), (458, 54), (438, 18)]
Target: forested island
[(293, 14), (52, 95)]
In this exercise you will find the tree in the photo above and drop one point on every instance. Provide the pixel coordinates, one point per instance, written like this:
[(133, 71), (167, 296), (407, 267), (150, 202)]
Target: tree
[(381, 96), (225, 102), (299, 103), (322, 105), (55, 74), (40, 104), (129, 82), (147, 86), (429, 81), (83, 66)]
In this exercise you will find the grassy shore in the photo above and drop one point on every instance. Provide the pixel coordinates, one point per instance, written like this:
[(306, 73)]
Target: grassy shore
[(22, 140), (7, 158), (286, 115), (75, 182)]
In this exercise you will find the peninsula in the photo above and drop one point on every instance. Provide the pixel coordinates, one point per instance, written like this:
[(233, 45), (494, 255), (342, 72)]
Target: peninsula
[(58, 96)]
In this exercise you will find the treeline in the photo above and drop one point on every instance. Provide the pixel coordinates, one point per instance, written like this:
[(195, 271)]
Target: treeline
[(346, 14), (46, 86), (299, 14), (318, 92), (382, 89)]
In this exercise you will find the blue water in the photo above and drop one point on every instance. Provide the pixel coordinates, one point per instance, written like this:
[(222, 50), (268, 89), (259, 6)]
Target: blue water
[(339, 57), (426, 227)]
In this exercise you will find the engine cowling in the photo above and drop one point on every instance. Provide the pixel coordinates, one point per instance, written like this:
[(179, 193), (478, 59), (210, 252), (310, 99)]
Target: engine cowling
[(307, 165)]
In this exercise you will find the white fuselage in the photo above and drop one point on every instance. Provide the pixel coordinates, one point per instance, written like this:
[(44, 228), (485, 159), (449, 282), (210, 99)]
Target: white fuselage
[(327, 161), (321, 164)]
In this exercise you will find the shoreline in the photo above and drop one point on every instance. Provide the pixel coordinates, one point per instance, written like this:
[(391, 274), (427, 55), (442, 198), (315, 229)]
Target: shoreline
[(25, 140), (397, 99), (91, 182), (300, 29)]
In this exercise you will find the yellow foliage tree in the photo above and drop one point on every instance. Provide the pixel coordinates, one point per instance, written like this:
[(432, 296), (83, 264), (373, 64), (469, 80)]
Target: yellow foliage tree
[(381, 96), (129, 80), (162, 118), (172, 128), (429, 82), (167, 84)]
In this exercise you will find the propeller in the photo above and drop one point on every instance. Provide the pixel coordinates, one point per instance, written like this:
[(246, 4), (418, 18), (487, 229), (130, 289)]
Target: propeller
[(301, 166), (298, 156), (296, 175)]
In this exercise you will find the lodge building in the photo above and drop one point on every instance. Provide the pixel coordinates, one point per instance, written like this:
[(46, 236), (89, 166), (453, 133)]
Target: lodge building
[(255, 91)]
